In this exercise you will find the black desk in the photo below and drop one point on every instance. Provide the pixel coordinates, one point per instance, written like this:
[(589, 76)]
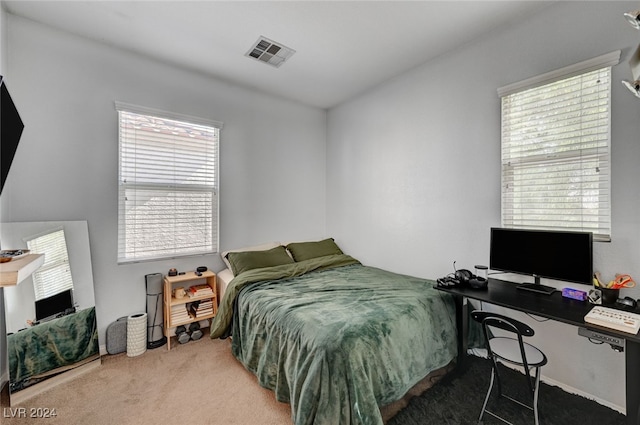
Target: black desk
[(554, 307)]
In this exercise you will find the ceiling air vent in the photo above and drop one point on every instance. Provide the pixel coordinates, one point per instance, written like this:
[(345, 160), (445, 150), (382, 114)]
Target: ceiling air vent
[(269, 51)]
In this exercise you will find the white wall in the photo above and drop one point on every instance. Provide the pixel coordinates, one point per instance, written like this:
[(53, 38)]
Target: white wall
[(4, 364), (66, 167), (413, 175), (3, 39)]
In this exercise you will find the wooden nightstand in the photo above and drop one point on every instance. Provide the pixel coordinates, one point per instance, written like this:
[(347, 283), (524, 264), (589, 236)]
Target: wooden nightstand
[(200, 291)]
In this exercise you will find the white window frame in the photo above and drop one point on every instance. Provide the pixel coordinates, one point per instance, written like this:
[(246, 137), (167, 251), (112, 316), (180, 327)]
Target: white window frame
[(157, 173), (54, 276), (532, 148)]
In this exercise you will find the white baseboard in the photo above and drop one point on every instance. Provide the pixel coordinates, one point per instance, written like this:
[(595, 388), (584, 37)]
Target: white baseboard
[(481, 352), (576, 391)]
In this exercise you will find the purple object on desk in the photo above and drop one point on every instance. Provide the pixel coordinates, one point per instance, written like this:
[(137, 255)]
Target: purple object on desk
[(574, 293)]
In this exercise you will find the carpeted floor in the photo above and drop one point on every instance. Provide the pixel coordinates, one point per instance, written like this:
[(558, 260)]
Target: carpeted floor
[(202, 383), (198, 383), (457, 399)]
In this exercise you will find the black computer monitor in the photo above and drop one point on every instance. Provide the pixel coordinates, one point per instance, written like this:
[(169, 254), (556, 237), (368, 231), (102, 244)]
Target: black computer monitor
[(559, 255), (53, 305)]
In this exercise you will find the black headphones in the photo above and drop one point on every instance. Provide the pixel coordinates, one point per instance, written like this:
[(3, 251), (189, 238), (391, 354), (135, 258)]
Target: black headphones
[(465, 277)]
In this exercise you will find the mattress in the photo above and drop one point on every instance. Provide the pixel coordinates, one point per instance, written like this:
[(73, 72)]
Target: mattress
[(334, 338), (223, 279)]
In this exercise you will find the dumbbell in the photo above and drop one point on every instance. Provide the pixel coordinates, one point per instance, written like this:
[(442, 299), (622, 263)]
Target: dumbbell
[(196, 333), (181, 333)]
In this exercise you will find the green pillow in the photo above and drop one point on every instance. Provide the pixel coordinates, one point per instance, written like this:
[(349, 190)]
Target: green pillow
[(248, 260), (301, 251)]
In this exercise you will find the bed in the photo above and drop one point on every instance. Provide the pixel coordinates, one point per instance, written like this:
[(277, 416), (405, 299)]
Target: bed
[(52, 347), (334, 338)]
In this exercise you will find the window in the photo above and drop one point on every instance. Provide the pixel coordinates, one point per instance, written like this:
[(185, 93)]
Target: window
[(168, 185), (54, 276), (556, 150)]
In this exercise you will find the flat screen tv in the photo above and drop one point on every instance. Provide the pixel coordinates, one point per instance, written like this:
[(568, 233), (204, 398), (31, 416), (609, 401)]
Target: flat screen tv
[(565, 256), (11, 127), (49, 307)]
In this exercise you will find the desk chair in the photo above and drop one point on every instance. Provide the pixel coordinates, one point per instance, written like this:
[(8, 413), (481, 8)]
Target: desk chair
[(511, 350)]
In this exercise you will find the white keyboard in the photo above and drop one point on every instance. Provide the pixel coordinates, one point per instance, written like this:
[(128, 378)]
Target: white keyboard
[(614, 319)]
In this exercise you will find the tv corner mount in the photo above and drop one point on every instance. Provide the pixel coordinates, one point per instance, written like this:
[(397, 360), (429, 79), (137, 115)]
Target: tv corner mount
[(634, 63)]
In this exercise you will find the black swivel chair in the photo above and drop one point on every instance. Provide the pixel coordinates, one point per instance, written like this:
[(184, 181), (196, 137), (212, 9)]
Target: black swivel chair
[(511, 350)]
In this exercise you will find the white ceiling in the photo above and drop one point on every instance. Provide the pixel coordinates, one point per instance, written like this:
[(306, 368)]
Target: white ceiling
[(342, 48)]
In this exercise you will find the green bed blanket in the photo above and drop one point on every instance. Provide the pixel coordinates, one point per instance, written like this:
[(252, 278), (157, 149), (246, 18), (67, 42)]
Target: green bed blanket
[(48, 346), (337, 339)]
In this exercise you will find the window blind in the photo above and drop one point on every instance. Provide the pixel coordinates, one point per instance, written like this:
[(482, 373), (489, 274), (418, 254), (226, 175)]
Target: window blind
[(54, 276), (168, 184), (556, 155)]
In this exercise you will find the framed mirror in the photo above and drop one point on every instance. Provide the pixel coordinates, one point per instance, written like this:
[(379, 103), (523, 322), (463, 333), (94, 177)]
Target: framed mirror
[(36, 311)]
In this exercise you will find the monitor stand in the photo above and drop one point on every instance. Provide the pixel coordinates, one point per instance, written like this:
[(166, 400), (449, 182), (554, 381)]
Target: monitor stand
[(537, 287)]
